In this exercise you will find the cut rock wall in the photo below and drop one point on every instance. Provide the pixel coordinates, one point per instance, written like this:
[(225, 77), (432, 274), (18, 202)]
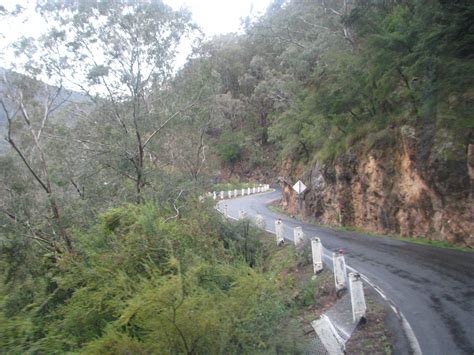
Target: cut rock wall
[(398, 188)]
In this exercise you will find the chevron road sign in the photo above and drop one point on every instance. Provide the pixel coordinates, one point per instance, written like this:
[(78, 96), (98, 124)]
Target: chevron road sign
[(299, 187)]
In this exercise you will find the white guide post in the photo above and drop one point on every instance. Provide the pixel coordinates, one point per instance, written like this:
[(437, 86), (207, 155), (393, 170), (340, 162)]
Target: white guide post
[(260, 221), (317, 252), (339, 264), (280, 240), (214, 195), (222, 195), (243, 192), (224, 209), (236, 193), (248, 191), (258, 189), (229, 193), (356, 288), (254, 190), (330, 339), (242, 214), (298, 236)]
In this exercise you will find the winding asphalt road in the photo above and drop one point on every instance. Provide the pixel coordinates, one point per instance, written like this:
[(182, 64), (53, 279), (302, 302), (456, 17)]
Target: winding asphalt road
[(432, 287)]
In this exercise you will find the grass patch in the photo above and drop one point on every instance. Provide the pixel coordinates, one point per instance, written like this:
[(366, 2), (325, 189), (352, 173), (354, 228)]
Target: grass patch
[(277, 209), (434, 243)]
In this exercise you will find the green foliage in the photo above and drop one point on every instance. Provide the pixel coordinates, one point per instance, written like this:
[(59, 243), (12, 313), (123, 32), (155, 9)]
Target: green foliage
[(229, 149), (143, 284), (409, 67)]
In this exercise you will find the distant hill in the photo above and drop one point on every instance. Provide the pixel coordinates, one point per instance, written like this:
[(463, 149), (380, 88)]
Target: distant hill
[(72, 97)]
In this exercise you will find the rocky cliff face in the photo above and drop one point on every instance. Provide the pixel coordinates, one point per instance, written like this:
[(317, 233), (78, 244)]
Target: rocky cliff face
[(402, 185)]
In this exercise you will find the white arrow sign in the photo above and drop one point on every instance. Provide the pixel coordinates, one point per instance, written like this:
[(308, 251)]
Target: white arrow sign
[(299, 187)]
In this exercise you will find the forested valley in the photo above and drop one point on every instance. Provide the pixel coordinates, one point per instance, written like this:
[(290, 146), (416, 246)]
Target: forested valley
[(105, 245)]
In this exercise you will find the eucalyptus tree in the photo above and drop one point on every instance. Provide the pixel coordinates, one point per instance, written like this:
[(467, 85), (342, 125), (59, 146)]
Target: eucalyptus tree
[(120, 54), (28, 106), (188, 138)]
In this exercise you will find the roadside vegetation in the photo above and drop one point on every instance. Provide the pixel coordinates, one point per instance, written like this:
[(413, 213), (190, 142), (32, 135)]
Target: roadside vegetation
[(138, 283), (103, 245)]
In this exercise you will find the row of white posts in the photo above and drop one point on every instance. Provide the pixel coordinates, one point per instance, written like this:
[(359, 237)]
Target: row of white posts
[(240, 192), (355, 288), (342, 281)]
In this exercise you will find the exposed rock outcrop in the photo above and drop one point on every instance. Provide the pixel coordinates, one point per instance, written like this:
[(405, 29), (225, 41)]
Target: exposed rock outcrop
[(398, 186)]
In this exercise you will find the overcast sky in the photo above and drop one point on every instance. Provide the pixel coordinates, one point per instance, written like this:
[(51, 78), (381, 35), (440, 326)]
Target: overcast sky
[(220, 16), (213, 16)]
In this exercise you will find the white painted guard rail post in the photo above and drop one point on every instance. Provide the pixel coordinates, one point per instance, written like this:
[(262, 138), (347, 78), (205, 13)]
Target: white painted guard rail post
[(280, 240), (317, 252), (229, 193), (214, 195), (298, 236), (254, 190), (243, 192), (339, 265), (242, 214), (236, 193), (260, 222), (356, 288), (222, 195), (248, 191), (225, 210)]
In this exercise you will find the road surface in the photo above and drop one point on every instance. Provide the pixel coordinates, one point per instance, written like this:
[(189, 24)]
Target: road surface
[(432, 287)]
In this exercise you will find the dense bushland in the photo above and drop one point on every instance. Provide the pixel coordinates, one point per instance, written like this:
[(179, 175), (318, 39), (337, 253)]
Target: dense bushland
[(139, 283)]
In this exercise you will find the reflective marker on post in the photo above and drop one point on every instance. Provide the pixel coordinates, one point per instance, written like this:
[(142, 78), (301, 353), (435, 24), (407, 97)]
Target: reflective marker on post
[(356, 288), (260, 222), (339, 265), (298, 236), (280, 240), (317, 252)]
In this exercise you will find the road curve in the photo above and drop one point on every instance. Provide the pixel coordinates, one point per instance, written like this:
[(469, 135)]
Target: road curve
[(433, 288)]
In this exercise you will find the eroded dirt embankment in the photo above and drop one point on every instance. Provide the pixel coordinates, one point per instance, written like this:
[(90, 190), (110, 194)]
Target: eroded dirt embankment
[(402, 185)]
